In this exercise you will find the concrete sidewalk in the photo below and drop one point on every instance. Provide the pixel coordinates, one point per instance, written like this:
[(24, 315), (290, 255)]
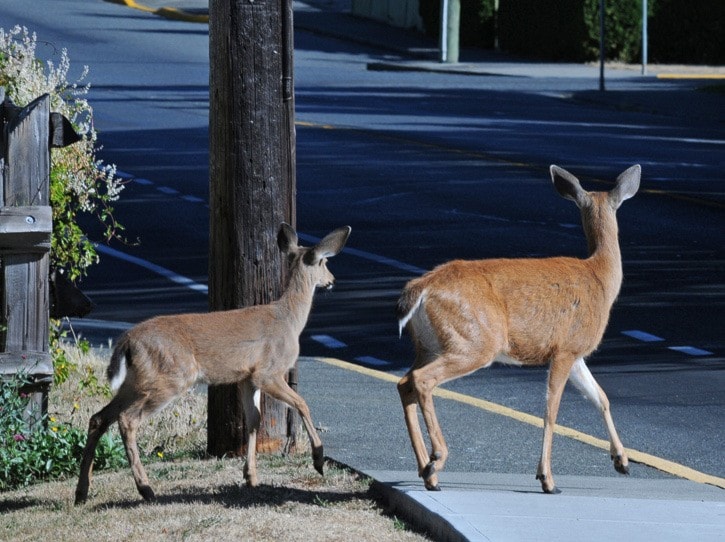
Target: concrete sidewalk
[(646, 506)]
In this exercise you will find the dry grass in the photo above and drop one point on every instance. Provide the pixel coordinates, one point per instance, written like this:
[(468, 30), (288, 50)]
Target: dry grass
[(196, 499)]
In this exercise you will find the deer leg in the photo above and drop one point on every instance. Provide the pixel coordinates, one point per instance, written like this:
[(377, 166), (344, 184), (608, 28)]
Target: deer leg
[(558, 374), (583, 380), (251, 398), (280, 390), (128, 423), (97, 426), (424, 380), (410, 411)]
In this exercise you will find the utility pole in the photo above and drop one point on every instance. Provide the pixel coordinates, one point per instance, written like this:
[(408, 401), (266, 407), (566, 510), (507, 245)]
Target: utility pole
[(251, 187)]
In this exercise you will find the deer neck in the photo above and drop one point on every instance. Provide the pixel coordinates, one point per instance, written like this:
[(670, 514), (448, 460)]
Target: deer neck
[(605, 257), (296, 302)]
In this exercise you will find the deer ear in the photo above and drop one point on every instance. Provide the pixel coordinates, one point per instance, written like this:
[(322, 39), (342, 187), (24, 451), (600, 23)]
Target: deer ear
[(568, 186), (287, 238), (331, 244), (626, 186)]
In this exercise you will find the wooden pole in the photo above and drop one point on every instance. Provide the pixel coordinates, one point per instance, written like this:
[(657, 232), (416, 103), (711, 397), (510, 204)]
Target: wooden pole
[(252, 184)]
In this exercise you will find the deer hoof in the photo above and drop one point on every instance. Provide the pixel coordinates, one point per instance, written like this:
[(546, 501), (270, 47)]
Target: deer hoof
[(80, 499), (428, 471), (318, 460), (619, 465), (147, 493), (549, 490)]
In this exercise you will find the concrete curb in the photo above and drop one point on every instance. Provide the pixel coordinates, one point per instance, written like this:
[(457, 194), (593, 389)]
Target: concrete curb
[(199, 16)]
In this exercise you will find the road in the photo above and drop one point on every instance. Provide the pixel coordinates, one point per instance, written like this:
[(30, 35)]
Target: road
[(426, 167)]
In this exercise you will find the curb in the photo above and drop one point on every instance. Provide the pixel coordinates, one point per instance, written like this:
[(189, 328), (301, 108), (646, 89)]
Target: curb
[(167, 12), (400, 504), (415, 514)]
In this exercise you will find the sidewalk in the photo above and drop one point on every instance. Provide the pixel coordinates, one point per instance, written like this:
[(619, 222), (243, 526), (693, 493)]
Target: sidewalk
[(481, 506)]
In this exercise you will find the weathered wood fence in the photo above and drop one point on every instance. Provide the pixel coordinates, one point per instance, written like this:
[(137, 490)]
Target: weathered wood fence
[(28, 133)]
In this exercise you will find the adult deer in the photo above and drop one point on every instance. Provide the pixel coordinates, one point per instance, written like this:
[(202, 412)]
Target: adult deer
[(464, 315), (159, 359)]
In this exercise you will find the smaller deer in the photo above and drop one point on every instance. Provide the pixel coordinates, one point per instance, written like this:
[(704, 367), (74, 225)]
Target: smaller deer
[(464, 315), (161, 358)]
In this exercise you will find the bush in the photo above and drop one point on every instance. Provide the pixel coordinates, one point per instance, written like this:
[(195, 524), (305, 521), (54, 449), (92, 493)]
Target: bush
[(36, 447), (623, 29)]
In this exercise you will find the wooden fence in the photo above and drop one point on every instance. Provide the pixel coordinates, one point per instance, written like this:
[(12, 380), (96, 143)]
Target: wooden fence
[(28, 133)]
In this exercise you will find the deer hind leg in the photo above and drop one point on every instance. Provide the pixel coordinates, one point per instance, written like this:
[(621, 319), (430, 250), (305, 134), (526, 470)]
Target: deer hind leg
[(97, 426), (422, 380), (128, 423), (583, 380), (251, 398), (280, 390), (410, 411), (558, 374)]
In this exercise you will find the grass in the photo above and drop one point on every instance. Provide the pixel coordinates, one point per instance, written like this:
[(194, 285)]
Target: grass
[(197, 499)]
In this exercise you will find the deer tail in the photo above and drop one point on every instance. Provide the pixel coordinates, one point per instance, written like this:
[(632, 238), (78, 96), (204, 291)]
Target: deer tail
[(116, 372), (408, 303)]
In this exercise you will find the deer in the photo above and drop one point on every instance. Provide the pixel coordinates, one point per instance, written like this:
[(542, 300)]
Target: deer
[(467, 314), (159, 359)]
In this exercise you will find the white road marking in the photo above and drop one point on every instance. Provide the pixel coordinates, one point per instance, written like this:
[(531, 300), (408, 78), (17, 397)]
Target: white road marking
[(328, 341), (370, 360), (642, 336), (690, 350), (166, 273), (167, 190), (384, 260)]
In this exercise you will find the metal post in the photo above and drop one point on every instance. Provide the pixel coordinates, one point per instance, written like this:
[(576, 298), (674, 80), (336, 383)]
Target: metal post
[(644, 37), (602, 50), (444, 31), (450, 30)]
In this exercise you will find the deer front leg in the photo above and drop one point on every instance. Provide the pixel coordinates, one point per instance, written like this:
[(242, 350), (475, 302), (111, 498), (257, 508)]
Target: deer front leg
[(280, 390), (558, 373), (583, 380), (251, 402)]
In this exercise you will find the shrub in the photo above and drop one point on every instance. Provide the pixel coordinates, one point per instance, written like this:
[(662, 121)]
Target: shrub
[(36, 447)]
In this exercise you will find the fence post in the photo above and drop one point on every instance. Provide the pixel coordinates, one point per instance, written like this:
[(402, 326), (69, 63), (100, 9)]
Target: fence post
[(25, 233)]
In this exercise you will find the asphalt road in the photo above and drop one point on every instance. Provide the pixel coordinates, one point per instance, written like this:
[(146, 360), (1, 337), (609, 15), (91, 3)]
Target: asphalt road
[(425, 168)]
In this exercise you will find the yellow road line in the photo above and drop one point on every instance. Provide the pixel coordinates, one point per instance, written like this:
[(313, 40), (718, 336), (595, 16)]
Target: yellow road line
[(670, 467), (691, 76)]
